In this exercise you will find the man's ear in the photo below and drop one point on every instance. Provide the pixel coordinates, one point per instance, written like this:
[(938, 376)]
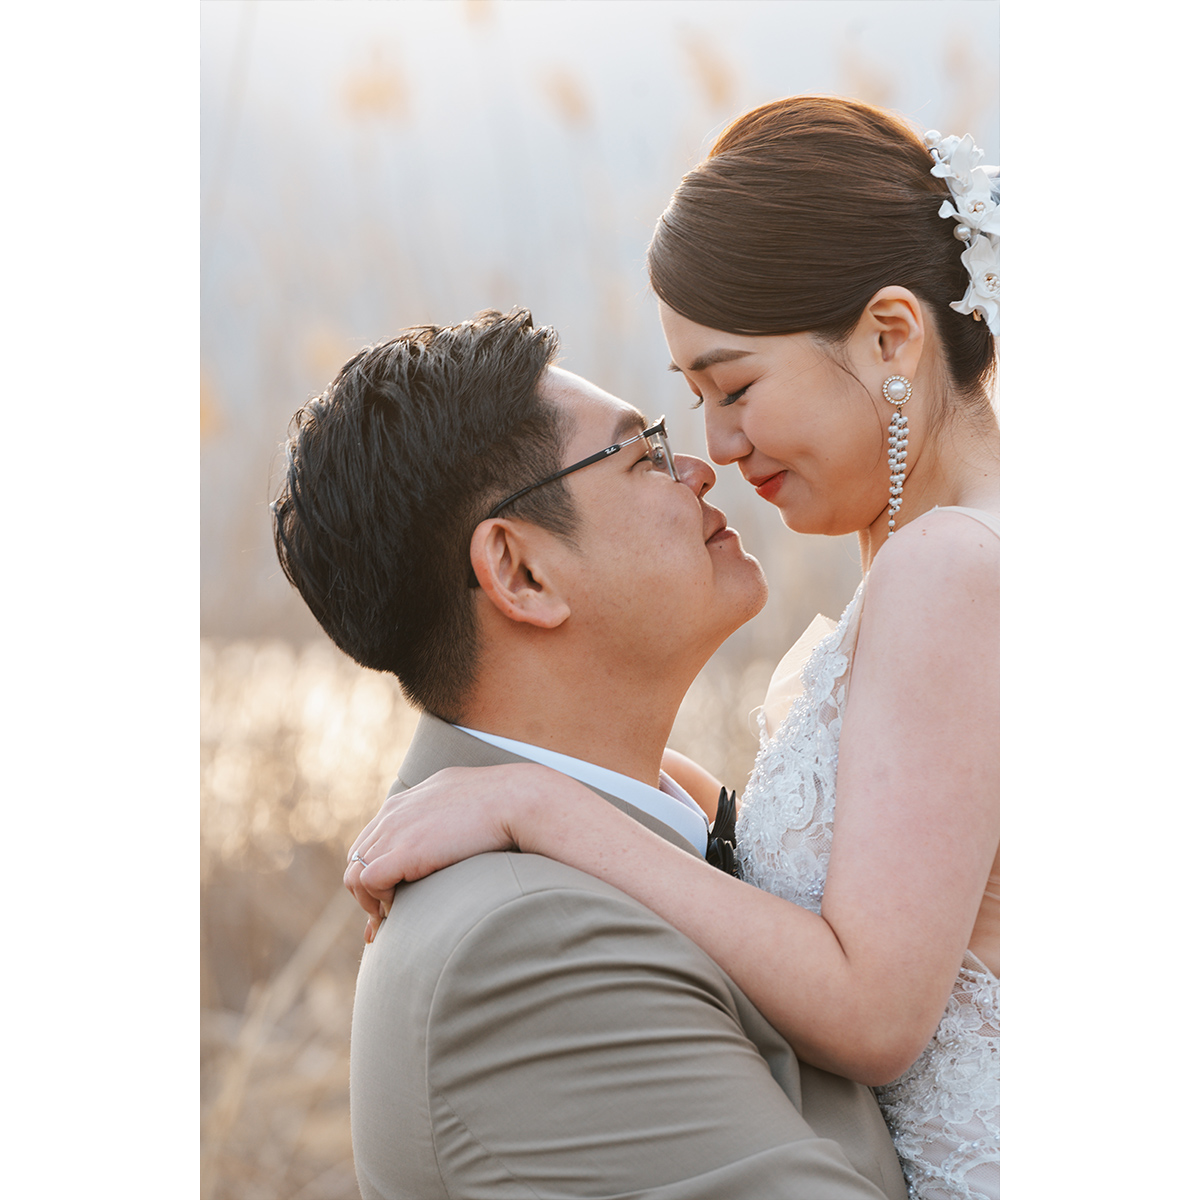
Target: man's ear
[(510, 561), (893, 327)]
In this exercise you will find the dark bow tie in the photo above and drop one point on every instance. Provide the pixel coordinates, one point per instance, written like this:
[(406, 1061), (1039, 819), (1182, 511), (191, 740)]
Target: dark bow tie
[(722, 837)]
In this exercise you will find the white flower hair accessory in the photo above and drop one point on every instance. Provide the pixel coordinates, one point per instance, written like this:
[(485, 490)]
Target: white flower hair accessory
[(977, 212)]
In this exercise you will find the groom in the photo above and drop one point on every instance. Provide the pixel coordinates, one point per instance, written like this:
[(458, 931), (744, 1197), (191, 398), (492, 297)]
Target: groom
[(530, 561)]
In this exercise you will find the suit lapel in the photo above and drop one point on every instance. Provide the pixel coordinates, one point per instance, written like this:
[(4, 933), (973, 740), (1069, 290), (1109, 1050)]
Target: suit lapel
[(436, 745)]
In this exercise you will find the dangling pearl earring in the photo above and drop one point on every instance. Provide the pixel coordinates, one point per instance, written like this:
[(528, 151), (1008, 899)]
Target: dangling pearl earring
[(898, 391)]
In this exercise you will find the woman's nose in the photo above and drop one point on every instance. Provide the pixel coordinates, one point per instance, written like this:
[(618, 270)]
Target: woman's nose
[(723, 436), (695, 472)]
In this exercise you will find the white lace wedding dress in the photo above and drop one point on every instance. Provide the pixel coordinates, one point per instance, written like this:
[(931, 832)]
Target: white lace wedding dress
[(944, 1111)]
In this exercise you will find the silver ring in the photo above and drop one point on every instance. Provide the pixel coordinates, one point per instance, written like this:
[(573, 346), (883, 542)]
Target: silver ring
[(358, 858)]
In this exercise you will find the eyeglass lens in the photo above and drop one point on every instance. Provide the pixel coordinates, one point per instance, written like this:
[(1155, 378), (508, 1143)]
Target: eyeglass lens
[(660, 452)]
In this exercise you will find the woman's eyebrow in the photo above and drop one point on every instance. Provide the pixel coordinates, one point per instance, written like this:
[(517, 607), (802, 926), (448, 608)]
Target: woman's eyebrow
[(711, 359)]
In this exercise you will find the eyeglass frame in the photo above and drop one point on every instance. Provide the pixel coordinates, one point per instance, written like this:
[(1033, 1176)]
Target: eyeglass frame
[(659, 428)]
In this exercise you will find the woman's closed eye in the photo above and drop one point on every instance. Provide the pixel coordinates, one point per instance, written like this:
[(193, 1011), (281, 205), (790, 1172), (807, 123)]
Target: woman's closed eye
[(732, 398)]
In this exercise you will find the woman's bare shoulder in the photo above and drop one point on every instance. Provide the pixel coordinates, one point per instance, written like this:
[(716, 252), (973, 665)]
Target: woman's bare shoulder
[(936, 580), (939, 549)]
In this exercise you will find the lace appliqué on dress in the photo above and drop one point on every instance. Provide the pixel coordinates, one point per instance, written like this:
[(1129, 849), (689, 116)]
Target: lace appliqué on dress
[(944, 1111), (785, 822)]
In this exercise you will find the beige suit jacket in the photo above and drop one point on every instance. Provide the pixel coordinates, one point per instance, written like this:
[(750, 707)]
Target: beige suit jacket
[(524, 1030)]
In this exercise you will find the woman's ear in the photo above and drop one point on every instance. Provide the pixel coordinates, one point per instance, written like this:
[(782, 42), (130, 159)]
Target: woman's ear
[(893, 324), (514, 569)]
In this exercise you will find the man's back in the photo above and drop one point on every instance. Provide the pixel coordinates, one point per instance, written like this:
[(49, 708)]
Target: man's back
[(522, 1029)]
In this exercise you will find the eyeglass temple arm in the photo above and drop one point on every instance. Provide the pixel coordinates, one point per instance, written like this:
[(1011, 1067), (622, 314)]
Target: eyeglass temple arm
[(587, 462), (660, 426)]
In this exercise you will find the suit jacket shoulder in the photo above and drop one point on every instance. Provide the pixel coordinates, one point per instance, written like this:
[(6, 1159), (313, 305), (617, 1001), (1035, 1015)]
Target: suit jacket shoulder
[(523, 1029)]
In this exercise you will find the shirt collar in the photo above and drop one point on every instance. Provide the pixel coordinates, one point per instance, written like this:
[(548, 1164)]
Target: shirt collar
[(668, 802)]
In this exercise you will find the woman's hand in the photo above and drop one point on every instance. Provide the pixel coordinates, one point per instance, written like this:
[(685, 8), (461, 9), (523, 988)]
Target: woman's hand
[(455, 814)]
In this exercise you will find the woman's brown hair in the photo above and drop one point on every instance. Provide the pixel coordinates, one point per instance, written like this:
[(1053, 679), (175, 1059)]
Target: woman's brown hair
[(802, 211)]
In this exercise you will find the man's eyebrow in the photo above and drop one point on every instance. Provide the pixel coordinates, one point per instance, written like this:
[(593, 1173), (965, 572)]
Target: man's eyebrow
[(711, 359), (629, 422)]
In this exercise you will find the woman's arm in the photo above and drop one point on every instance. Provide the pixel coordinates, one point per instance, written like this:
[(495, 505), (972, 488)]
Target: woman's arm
[(859, 989), (702, 786)]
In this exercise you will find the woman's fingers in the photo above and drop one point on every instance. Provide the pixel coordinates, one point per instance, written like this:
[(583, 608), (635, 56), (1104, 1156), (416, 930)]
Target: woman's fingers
[(380, 883), (454, 814), (386, 816), (368, 833), (374, 902), (375, 890), (352, 880)]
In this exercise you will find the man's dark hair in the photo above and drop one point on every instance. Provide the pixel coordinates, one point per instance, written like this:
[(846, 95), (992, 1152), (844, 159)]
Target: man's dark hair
[(389, 471)]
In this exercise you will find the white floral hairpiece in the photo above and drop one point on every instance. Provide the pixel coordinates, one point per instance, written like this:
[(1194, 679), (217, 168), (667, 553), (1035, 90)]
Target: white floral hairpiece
[(956, 160)]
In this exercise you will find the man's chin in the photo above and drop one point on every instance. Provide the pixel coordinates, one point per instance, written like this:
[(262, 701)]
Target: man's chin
[(748, 595), (759, 601)]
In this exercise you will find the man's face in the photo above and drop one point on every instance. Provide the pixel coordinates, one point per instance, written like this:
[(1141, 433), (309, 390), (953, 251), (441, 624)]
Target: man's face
[(658, 577)]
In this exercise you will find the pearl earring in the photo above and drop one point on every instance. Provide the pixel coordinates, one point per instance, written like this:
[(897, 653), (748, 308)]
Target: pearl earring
[(898, 391)]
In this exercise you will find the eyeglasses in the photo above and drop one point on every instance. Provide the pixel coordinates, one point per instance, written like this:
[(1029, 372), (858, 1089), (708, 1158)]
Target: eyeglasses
[(659, 453)]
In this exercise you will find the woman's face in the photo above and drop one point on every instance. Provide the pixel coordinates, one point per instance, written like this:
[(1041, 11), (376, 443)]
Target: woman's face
[(802, 429)]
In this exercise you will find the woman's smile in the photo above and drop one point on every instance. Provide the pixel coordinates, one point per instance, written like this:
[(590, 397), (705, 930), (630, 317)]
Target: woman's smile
[(768, 485)]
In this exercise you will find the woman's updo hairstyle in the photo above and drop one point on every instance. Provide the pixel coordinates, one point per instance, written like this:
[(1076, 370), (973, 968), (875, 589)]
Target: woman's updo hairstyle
[(803, 210)]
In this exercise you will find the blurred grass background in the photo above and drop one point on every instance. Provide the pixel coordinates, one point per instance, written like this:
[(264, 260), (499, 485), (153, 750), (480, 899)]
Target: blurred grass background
[(367, 166)]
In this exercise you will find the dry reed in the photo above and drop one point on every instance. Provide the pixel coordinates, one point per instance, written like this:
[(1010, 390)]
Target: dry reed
[(298, 746)]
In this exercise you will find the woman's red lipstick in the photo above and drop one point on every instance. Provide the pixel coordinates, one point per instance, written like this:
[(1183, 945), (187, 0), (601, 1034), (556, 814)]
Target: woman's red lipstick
[(767, 485)]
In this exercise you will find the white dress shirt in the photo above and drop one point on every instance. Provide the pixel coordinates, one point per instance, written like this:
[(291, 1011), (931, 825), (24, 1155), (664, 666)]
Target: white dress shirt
[(668, 802)]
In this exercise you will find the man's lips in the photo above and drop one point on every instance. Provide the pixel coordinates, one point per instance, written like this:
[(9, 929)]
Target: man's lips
[(719, 525), (767, 485)]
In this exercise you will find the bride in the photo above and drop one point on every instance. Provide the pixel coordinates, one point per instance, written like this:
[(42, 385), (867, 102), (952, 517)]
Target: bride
[(829, 290)]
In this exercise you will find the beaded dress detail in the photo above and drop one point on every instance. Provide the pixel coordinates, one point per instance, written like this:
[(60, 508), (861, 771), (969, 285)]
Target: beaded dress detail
[(944, 1111)]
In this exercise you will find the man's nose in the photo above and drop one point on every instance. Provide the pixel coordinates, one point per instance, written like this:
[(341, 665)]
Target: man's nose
[(695, 472), (723, 436)]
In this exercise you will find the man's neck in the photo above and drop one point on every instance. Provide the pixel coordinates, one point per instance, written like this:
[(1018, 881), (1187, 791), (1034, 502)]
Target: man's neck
[(623, 729), (613, 744)]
